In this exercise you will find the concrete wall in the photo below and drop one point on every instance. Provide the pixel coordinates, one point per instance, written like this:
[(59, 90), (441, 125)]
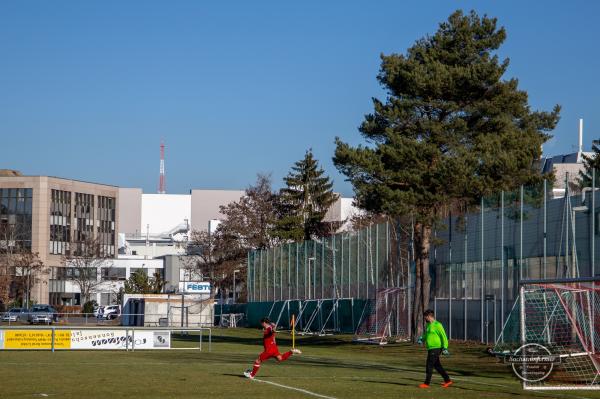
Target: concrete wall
[(130, 210), (164, 211), (206, 203), (166, 309)]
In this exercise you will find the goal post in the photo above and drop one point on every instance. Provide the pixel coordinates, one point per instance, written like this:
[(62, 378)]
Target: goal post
[(562, 316), (385, 318)]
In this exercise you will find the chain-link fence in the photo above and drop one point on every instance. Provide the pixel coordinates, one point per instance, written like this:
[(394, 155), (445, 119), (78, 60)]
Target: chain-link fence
[(346, 265), (477, 258)]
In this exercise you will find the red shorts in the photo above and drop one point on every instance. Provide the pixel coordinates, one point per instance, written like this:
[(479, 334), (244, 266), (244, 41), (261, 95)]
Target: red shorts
[(269, 353)]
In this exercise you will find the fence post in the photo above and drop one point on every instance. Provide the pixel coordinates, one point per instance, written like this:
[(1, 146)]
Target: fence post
[(306, 293), (545, 226), (53, 337), (449, 267), (323, 241), (334, 268), (314, 280), (521, 238), (260, 275), (376, 259), (593, 216), (502, 260), (482, 272), (342, 265), (466, 304), (358, 264)]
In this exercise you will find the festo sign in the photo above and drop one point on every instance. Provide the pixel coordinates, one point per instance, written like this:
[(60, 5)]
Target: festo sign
[(194, 287)]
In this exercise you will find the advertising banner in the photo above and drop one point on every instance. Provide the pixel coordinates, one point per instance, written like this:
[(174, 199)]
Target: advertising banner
[(120, 339), (194, 287), (34, 339), (85, 339)]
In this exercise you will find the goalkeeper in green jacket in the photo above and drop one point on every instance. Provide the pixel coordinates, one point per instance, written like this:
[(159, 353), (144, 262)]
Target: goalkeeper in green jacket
[(436, 343)]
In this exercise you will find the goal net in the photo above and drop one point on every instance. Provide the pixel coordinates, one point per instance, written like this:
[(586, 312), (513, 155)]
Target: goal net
[(385, 318), (564, 317)]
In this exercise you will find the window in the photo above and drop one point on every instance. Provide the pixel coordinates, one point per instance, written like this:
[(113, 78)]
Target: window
[(60, 222), (106, 224), (15, 218), (108, 298), (114, 273)]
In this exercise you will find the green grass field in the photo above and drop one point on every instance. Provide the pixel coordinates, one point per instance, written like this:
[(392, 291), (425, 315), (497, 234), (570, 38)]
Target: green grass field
[(330, 366)]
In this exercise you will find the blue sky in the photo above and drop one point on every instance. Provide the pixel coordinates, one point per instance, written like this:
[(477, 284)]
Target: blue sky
[(88, 89)]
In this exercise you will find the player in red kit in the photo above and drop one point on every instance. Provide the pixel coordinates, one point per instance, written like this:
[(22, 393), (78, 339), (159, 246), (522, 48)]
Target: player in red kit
[(270, 348)]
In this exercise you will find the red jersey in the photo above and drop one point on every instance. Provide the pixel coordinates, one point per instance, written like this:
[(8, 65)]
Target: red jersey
[(269, 337)]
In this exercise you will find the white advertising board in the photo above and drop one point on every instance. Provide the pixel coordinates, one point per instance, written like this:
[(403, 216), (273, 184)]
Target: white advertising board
[(120, 339), (95, 339), (194, 287)]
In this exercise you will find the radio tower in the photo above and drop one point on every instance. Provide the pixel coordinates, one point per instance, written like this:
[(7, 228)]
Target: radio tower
[(161, 178)]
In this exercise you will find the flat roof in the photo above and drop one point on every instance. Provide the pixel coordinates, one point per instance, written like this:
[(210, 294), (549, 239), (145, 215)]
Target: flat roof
[(60, 178)]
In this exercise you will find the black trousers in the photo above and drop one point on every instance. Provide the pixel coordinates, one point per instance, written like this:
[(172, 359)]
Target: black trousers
[(433, 362)]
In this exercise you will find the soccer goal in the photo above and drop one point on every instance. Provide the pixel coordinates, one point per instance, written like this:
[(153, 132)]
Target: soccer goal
[(385, 318), (564, 317)]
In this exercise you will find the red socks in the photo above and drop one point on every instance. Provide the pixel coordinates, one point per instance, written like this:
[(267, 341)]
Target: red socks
[(255, 369)]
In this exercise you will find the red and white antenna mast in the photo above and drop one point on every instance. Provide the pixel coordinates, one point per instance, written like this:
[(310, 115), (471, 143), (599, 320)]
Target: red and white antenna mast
[(161, 178)]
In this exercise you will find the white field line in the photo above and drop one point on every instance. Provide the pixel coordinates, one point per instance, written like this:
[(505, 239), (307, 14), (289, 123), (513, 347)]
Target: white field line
[(295, 389)]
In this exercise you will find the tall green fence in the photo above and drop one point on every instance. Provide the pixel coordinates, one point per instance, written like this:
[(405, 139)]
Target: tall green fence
[(477, 259), (345, 265)]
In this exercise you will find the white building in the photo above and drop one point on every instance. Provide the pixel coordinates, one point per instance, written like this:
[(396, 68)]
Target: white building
[(111, 277), (566, 167), (164, 215)]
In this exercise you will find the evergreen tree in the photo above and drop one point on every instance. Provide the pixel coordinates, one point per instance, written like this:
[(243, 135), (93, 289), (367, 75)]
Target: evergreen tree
[(590, 163), (304, 201), (450, 132)]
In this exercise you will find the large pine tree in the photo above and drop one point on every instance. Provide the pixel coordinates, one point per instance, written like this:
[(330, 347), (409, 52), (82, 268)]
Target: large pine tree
[(304, 201), (450, 131)]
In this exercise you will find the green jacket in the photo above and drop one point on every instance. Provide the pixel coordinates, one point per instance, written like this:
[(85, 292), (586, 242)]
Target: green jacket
[(435, 336)]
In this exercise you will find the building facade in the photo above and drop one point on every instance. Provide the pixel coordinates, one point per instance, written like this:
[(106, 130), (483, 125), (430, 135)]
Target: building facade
[(50, 216)]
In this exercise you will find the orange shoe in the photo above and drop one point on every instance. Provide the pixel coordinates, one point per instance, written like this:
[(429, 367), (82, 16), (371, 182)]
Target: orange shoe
[(423, 386), (447, 384)]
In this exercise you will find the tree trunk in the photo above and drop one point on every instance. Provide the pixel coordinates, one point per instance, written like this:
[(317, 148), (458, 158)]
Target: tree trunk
[(422, 245)]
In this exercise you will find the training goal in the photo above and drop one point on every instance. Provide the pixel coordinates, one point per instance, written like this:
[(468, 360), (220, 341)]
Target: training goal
[(385, 318), (562, 316)]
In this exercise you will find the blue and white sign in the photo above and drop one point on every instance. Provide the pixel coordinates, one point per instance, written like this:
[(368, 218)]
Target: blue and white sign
[(194, 287)]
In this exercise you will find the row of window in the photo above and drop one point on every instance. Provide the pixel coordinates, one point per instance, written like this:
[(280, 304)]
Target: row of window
[(15, 218), (85, 218), (106, 273)]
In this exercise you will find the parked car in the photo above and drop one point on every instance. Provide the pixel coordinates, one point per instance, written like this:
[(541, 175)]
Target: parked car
[(15, 314), (112, 312), (42, 314)]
